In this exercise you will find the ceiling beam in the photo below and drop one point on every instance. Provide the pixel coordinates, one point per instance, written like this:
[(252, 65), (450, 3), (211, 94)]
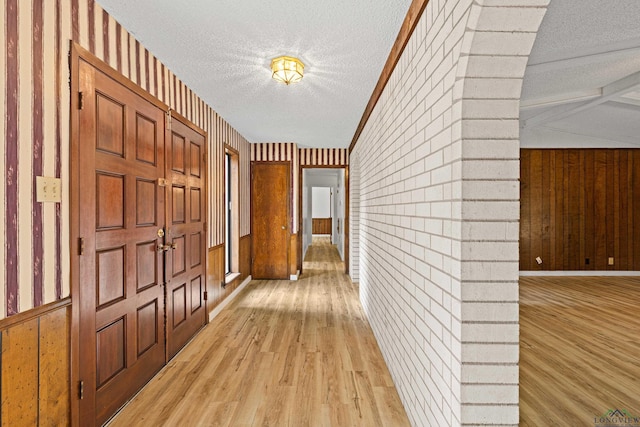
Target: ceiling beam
[(627, 101), (586, 56), (414, 14), (550, 101), (609, 92)]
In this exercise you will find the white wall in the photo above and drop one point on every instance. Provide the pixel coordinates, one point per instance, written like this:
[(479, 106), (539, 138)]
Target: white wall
[(321, 202), (435, 210)]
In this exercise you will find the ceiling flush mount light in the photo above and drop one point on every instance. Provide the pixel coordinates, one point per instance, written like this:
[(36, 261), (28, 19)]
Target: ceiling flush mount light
[(287, 70)]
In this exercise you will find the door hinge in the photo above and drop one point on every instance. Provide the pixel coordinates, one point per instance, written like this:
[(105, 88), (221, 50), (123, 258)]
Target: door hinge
[(169, 119), (204, 157), (206, 295), (205, 226), (81, 390), (80, 100), (81, 246)]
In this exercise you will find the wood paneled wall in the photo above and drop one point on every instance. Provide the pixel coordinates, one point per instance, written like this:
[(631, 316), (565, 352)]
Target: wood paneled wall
[(36, 366), (578, 208), (216, 273), (321, 225)]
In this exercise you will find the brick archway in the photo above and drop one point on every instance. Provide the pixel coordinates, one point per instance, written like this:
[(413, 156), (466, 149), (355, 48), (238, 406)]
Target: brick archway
[(494, 54)]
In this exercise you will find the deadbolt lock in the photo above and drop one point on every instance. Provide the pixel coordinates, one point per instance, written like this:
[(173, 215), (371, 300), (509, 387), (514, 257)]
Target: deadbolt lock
[(161, 232)]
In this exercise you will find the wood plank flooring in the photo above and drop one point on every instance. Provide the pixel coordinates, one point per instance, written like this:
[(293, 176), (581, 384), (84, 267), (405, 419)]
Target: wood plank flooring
[(579, 349), (281, 354)]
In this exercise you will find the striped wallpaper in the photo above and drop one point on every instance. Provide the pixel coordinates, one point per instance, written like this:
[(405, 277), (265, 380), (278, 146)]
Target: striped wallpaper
[(35, 105), (289, 152), (324, 157)]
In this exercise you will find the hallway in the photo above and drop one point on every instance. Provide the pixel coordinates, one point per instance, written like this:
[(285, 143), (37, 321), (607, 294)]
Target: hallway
[(281, 354)]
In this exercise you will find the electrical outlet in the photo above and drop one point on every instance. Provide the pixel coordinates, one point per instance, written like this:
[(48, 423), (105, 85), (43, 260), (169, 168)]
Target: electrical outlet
[(539, 260), (48, 189), (610, 260)]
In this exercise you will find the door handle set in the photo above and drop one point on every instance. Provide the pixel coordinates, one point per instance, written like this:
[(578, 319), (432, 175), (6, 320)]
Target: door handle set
[(165, 248)]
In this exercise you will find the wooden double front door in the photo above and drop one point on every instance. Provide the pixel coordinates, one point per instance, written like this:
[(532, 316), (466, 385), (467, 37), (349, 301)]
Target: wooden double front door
[(139, 201)]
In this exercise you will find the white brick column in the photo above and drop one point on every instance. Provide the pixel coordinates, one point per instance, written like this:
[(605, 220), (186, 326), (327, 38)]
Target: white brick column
[(436, 198), (495, 50)]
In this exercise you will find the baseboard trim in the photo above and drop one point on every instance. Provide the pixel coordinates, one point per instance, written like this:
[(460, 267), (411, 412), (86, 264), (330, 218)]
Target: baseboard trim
[(580, 273), (294, 277), (216, 311)]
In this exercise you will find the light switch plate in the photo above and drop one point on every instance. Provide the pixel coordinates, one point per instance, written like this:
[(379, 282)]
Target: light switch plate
[(48, 189)]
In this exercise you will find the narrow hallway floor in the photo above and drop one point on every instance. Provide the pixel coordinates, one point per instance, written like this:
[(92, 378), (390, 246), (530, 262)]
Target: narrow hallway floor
[(282, 353)]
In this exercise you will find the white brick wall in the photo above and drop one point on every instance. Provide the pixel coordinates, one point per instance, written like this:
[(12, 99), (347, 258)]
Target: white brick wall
[(435, 210)]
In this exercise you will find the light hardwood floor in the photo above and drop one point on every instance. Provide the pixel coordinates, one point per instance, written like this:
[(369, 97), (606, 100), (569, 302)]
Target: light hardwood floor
[(579, 349), (282, 354)]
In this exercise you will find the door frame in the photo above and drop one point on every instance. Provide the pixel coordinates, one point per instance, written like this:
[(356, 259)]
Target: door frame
[(346, 211), (76, 54)]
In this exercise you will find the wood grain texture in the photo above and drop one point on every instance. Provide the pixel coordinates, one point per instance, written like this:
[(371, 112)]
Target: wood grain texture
[(215, 276), (578, 349), (36, 366), (321, 225), (215, 272), (283, 353), (245, 257), (578, 208), (270, 218), (20, 374), (54, 369)]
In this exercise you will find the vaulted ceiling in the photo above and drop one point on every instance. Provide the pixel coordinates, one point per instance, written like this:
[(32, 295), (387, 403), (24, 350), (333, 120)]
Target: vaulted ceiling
[(581, 88)]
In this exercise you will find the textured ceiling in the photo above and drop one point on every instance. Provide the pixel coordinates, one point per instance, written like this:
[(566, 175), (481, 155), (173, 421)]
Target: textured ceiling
[(583, 75), (222, 49)]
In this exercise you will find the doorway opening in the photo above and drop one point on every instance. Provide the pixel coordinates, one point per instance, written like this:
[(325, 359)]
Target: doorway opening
[(324, 210)]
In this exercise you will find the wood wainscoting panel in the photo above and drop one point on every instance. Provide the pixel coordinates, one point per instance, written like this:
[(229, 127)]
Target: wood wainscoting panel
[(55, 345), (20, 374), (35, 362), (245, 258), (579, 209), (216, 274), (215, 277), (321, 225)]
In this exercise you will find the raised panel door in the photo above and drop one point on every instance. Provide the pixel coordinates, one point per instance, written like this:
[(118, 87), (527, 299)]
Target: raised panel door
[(121, 294), (186, 213)]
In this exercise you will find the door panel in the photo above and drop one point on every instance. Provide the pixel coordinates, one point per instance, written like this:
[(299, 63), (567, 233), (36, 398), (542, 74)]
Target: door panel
[(121, 295), (186, 215), (270, 220)]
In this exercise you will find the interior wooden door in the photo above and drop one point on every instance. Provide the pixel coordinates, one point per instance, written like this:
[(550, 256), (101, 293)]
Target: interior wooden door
[(186, 213), (270, 220), (121, 156)]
